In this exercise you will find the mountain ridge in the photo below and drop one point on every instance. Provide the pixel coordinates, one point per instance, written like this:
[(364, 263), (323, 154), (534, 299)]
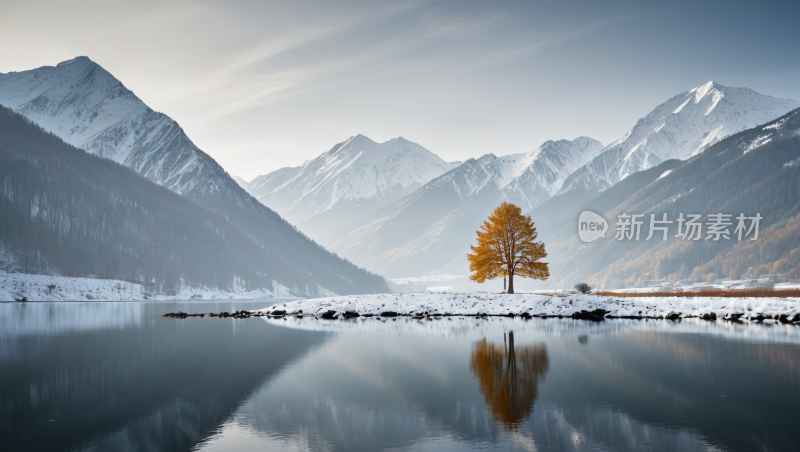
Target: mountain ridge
[(87, 107), (679, 128)]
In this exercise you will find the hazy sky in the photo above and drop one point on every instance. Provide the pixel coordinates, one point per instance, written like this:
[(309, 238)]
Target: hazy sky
[(260, 85)]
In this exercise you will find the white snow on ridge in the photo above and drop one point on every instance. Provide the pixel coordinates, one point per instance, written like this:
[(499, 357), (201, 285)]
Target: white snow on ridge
[(361, 169), (76, 100), (792, 163), (680, 128), (357, 169), (87, 107), (535, 304), (758, 142), (528, 178)]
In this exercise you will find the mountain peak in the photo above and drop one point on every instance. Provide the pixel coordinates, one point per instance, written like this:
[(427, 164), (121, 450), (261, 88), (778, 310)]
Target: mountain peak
[(399, 140), (702, 91), (77, 59), (679, 128), (360, 139)]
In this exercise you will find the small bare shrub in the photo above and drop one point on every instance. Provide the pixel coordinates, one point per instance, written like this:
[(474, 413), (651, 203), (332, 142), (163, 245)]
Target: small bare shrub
[(583, 288)]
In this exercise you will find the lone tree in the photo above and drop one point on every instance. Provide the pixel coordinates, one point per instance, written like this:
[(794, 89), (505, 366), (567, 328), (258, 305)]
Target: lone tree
[(506, 246)]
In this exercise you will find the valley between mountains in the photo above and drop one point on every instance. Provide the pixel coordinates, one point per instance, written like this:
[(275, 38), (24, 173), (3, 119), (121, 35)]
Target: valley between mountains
[(96, 184)]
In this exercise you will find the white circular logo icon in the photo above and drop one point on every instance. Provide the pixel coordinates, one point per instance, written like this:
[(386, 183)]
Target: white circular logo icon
[(591, 226)]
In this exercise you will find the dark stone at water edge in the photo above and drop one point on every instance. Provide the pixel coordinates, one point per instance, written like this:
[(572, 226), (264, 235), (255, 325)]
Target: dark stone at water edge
[(278, 313), (351, 314), (389, 314), (596, 315), (710, 316), (674, 316), (327, 315), (525, 315)]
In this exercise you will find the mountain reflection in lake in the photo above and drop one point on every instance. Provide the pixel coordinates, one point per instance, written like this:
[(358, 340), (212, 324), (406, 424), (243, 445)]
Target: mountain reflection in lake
[(508, 377), (117, 376)]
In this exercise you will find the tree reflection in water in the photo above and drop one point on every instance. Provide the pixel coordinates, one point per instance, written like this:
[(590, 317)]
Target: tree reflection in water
[(508, 377)]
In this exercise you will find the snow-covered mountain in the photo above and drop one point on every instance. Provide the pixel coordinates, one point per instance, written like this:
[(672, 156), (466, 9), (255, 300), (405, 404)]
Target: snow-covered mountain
[(87, 107), (680, 128), (358, 169), (350, 181), (341, 190), (242, 183), (755, 172), (533, 177), (430, 230), (84, 105)]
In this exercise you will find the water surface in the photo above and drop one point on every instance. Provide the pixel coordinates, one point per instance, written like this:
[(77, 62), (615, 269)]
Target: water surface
[(117, 376)]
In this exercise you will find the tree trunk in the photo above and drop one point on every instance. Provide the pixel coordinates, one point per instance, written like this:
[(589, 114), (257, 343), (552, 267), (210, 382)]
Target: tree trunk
[(511, 282)]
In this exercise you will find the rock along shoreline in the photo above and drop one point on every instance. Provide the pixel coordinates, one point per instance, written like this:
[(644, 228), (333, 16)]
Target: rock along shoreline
[(576, 306)]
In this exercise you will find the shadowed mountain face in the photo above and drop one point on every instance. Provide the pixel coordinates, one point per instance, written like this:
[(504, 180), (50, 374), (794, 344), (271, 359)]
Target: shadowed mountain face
[(751, 172), (87, 107), (509, 377)]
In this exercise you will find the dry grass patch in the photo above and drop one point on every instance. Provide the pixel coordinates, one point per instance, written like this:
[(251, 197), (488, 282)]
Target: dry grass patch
[(759, 292)]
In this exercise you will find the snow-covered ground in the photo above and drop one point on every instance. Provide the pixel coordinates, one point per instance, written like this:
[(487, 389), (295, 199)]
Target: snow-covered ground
[(727, 284), (475, 303), (16, 286)]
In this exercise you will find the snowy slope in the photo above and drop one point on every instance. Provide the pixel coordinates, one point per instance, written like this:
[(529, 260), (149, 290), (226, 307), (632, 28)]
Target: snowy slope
[(535, 176), (430, 230), (748, 172), (84, 105), (679, 128), (359, 168)]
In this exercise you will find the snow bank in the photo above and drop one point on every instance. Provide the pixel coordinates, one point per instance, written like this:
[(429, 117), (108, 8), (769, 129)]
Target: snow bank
[(18, 286), (477, 303)]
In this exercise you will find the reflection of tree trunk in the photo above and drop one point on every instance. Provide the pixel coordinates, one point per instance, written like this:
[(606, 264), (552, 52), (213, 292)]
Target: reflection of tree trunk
[(511, 370), (508, 377)]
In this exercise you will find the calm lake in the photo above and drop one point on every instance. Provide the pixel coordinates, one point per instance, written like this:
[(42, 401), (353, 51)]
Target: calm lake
[(117, 376)]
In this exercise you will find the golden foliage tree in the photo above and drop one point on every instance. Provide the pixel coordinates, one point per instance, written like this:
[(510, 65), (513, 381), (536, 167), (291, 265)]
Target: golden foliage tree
[(507, 246)]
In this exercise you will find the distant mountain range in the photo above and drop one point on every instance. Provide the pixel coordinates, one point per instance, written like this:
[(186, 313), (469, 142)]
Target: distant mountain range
[(355, 178), (87, 107), (397, 208), (679, 128), (431, 229), (756, 171), (428, 231)]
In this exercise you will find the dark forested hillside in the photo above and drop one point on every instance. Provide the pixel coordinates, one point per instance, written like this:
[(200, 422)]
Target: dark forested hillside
[(756, 171), (67, 211)]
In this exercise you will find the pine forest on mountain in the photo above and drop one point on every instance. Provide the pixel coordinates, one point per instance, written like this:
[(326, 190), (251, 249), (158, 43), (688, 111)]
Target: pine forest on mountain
[(67, 211)]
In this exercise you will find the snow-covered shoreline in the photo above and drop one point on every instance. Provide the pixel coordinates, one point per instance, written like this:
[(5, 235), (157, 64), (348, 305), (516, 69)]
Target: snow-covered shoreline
[(29, 287), (538, 305)]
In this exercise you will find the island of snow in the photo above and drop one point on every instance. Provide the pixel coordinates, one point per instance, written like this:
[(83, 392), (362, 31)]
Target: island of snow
[(541, 305)]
